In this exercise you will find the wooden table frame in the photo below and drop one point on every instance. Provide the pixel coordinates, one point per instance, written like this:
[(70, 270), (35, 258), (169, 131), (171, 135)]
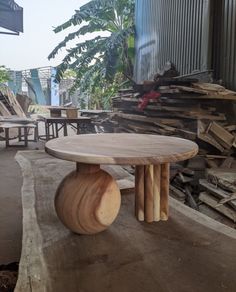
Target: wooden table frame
[(81, 197), (25, 127), (54, 125)]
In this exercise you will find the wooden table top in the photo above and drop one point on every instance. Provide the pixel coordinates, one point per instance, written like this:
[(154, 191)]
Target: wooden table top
[(129, 149), (64, 119)]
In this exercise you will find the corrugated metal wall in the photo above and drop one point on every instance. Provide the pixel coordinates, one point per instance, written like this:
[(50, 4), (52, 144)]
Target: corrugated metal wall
[(175, 30), (193, 34), (224, 42)]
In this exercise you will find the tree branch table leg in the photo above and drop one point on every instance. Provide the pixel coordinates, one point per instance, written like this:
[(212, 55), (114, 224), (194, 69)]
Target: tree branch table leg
[(152, 192), (148, 193), (164, 202), (139, 192), (88, 199)]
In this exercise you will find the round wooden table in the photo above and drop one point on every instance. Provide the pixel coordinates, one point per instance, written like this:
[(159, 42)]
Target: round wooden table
[(88, 199)]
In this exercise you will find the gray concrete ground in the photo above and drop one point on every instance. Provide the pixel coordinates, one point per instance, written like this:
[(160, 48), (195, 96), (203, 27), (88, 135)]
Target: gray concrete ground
[(10, 207), (10, 198), (10, 202)]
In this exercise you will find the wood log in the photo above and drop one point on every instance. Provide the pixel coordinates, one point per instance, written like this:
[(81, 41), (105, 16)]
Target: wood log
[(156, 191), (164, 203), (148, 190), (139, 192)]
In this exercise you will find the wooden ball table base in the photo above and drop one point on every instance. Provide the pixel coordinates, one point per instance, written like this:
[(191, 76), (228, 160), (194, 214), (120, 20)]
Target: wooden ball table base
[(88, 199)]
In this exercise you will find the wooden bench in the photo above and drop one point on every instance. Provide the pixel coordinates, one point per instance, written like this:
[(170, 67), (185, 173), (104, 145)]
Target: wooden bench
[(6, 126)]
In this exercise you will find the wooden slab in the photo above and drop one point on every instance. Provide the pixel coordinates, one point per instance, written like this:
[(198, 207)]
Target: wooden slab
[(214, 203), (225, 138), (129, 256), (126, 149)]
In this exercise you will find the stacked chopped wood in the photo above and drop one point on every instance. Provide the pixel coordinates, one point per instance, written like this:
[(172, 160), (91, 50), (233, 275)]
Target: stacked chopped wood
[(202, 112)]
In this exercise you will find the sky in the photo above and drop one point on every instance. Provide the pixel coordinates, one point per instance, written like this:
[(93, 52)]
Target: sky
[(31, 48)]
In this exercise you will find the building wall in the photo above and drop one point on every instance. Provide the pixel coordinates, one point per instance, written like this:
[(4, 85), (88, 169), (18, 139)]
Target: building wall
[(224, 42), (172, 30), (194, 35)]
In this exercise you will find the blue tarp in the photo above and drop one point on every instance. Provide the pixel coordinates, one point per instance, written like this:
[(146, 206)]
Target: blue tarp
[(11, 16)]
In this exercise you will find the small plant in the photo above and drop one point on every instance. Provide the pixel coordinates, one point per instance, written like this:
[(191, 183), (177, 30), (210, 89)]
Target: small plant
[(4, 75)]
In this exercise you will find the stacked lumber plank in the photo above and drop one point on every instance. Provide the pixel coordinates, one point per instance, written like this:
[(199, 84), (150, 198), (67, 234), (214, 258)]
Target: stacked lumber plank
[(202, 112), (220, 191), (9, 104), (10, 108), (100, 121)]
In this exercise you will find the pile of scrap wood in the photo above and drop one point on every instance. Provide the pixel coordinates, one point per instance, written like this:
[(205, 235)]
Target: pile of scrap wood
[(207, 120), (12, 107), (100, 120), (219, 191), (9, 104), (183, 107)]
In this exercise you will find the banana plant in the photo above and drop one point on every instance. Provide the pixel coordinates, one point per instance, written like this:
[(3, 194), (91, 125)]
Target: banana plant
[(98, 59)]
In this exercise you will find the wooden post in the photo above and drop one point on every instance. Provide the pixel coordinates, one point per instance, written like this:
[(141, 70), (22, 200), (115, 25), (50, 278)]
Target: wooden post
[(87, 168), (56, 127), (156, 191), (7, 137), (19, 134), (139, 192), (65, 129), (36, 133), (47, 130), (148, 191), (26, 136), (165, 173)]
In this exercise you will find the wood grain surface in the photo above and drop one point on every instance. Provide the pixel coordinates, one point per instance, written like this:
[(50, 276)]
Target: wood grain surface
[(156, 191), (87, 200), (137, 149), (152, 192), (129, 256), (164, 199), (139, 192), (148, 193)]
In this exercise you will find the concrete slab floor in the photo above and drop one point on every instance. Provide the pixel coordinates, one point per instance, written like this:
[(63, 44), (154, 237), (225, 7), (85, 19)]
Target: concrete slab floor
[(10, 203), (10, 198)]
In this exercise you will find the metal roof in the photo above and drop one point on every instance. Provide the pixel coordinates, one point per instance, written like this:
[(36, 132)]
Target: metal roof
[(11, 17)]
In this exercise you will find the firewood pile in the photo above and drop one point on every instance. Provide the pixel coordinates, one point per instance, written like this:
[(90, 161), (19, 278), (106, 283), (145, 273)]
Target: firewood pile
[(199, 111)]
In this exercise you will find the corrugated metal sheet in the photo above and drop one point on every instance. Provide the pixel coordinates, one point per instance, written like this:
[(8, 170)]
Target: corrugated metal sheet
[(224, 42), (172, 30)]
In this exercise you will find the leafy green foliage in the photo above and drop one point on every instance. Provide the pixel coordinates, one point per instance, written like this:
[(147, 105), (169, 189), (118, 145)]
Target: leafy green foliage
[(97, 60), (4, 75)]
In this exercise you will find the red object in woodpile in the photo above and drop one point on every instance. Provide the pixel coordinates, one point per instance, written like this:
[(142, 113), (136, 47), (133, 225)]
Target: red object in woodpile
[(146, 97)]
